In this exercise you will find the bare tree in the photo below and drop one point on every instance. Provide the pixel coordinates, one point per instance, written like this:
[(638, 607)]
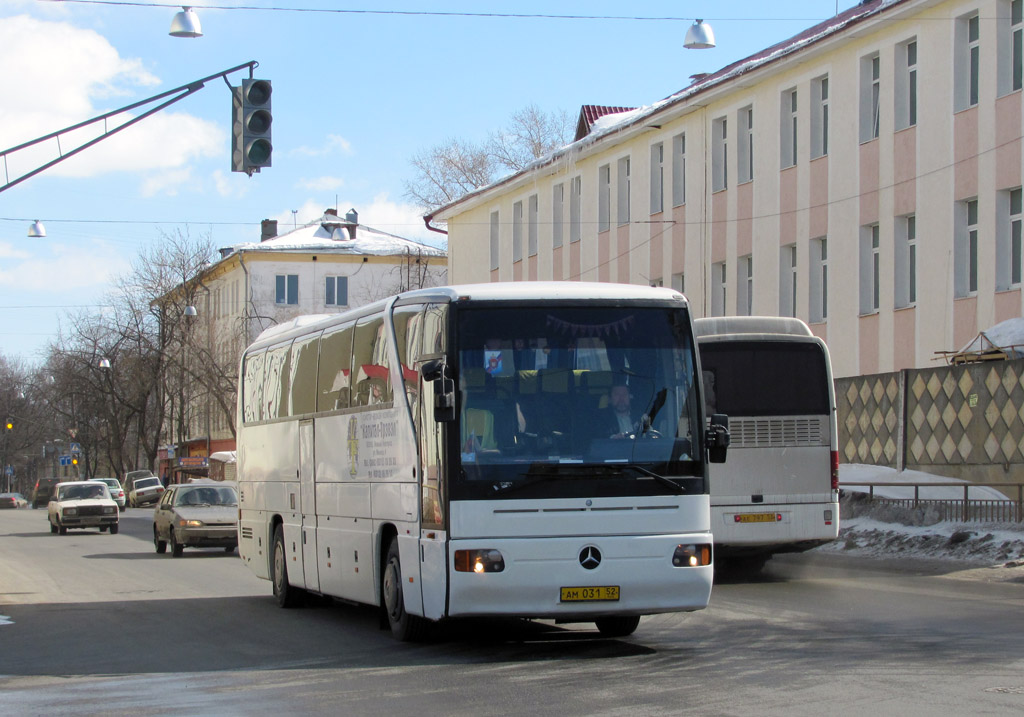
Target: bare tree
[(447, 171)]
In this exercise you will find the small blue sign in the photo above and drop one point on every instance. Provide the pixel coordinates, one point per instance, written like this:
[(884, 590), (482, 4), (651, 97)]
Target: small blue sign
[(65, 460), (75, 448)]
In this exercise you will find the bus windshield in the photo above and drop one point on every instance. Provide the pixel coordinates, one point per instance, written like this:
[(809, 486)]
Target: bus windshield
[(575, 400)]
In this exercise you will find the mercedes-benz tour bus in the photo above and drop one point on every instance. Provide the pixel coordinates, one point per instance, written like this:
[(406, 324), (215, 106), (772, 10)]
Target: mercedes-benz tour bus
[(779, 489), (461, 451)]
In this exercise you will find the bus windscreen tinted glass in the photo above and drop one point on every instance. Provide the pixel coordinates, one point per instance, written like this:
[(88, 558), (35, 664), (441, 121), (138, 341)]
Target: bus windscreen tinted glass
[(759, 378)]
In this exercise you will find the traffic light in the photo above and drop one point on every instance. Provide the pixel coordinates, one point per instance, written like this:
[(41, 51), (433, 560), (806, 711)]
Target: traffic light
[(10, 425), (251, 119)]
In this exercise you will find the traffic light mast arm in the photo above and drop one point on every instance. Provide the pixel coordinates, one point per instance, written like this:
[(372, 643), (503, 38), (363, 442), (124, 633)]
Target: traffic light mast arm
[(181, 92)]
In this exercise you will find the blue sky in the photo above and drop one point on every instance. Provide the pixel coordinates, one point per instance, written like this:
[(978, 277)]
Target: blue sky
[(356, 95)]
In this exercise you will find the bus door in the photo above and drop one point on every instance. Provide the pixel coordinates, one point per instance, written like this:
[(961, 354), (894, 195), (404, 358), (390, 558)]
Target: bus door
[(307, 502), (433, 521)]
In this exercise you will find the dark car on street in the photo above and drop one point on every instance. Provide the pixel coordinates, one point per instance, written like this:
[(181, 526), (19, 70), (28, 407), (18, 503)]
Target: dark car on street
[(42, 491)]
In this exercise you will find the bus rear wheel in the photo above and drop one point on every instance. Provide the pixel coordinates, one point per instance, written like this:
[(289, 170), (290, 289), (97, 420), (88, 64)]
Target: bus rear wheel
[(405, 627), (617, 625), (286, 595)]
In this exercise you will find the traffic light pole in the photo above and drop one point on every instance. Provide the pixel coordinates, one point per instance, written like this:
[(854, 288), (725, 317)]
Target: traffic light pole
[(180, 92)]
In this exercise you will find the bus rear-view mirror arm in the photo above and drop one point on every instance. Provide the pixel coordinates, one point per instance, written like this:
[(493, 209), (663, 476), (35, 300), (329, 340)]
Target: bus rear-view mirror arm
[(444, 389), (717, 438)]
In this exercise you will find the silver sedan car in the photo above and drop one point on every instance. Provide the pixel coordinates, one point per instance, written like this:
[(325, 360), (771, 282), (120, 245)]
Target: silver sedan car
[(197, 515)]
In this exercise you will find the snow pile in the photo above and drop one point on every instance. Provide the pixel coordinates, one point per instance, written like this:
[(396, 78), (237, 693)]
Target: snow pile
[(1007, 335), (879, 530)]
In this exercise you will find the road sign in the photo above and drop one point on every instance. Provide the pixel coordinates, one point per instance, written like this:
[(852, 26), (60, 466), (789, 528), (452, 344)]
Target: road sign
[(75, 448), (65, 460)]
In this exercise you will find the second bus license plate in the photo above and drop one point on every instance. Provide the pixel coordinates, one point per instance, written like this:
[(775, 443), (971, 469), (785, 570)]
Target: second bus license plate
[(604, 592), (757, 518)]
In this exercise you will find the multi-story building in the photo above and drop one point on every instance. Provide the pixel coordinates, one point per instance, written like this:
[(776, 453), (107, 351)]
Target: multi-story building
[(327, 266), (864, 176)]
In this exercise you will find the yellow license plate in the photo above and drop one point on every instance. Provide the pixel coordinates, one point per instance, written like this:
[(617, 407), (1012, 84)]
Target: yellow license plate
[(757, 518), (605, 592)]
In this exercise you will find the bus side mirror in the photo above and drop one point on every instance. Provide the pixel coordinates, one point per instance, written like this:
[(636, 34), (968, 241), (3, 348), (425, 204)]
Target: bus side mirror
[(717, 438), (444, 389)]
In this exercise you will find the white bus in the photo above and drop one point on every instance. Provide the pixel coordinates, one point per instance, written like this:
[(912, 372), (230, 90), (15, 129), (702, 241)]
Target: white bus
[(779, 489), (445, 453)]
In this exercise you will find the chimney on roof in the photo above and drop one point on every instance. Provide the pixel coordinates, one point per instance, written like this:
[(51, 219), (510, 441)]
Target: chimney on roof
[(268, 229), (352, 217), (330, 210)]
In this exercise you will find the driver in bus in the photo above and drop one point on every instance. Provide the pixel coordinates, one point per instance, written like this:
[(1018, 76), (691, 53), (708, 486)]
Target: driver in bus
[(619, 418)]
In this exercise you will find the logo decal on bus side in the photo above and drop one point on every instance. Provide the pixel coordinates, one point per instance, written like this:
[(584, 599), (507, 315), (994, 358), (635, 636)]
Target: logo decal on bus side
[(353, 445)]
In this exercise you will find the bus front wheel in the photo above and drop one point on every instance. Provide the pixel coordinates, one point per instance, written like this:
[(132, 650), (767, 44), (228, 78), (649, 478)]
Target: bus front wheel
[(285, 594), (617, 625), (404, 626)]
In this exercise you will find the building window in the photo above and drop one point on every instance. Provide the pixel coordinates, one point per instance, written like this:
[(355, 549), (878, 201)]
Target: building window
[(575, 201), (1008, 240), (287, 289), (336, 293), (604, 197), (495, 258), (967, 59), (657, 178), (745, 286), (905, 261), (1016, 45), (905, 85), (679, 283), (531, 225), (870, 81), (678, 170), (788, 129), (819, 280), (746, 144), (622, 192), (787, 281), (517, 231), (869, 269), (718, 283), (557, 212), (965, 249), (819, 117), (719, 154), (1010, 46)]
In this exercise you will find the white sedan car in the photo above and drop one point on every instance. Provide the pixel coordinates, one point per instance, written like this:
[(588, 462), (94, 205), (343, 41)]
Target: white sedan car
[(82, 504)]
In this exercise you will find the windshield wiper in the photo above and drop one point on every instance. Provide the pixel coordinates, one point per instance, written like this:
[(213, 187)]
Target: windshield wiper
[(660, 478)]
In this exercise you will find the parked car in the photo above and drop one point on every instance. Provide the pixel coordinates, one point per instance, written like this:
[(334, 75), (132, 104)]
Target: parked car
[(13, 500), (144, 490), (116, 491), (42, 491), (202, 514), (82, 504)]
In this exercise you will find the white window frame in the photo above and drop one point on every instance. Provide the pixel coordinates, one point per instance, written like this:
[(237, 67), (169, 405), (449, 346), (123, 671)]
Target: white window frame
[(679, 282), (965, 249), (622, 191), (788, 128), (719, 154), (787, 280), (604, 197), (336, 281), (575, 209), (1009, 251), (517, 231), (870, 96), (905, 85), (283, 298), (819, 280), (532, 210), (966, 60), (679, 170), (870, 268), (657, 177), (905, 262), (557, 214), (819, 117), (745, 285), (718, 289), (745, 151), (495, 236)]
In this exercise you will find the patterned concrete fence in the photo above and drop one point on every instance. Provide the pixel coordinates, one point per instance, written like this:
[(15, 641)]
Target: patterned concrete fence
[(962, 421)]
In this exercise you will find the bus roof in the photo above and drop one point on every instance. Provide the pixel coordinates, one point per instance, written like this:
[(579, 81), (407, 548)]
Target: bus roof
[(495, 291), (748, 325)]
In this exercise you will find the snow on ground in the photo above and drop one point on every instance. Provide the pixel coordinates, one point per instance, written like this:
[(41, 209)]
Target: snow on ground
[(877, 530)]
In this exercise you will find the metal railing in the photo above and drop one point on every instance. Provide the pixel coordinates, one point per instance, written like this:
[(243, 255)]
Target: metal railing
[(1008, 510)]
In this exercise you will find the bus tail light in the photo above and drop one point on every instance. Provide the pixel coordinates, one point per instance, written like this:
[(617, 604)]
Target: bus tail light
[(479, 561), (691, 556), (835, 470)]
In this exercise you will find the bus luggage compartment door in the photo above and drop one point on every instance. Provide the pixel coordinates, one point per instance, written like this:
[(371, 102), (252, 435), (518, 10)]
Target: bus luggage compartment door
[(307, 501)]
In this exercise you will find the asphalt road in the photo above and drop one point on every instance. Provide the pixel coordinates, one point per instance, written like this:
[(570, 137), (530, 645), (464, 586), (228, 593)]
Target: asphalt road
[(100, 624)]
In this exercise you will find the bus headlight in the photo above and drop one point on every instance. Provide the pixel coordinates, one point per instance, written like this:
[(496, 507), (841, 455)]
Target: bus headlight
[(691, 556), (479, 561)]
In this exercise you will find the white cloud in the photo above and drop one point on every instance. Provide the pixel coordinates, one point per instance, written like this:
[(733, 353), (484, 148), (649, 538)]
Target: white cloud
[(321, 184), (10, 251), (229, 186), (165, 183), (333, 143), (84, 76), (66, 266)]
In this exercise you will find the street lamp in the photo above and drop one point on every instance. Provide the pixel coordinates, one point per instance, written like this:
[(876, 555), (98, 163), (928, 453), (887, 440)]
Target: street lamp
[(36, 230), (700, 36), (186, 24)]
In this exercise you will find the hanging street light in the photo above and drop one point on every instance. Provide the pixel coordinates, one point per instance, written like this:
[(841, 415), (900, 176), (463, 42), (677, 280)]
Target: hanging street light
[(36, 230), (700, 36), (186, 24)]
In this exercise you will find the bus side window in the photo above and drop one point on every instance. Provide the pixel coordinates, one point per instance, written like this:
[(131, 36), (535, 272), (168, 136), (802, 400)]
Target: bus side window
[(408, 331), (370, 359), (252, 397), (334, 375), (275, 388), (304, 357)]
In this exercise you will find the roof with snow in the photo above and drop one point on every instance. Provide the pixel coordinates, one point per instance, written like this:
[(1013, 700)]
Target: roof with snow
[(331, 234), (609, 124), (589, 114)]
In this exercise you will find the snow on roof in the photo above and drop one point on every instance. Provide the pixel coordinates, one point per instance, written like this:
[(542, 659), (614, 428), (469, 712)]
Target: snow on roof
[(611, 123), (1007, 336), (329, 234)]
